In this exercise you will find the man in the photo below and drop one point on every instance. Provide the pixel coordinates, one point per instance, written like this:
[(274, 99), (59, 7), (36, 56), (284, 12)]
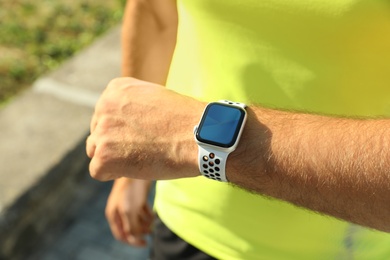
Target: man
[(315, 78)]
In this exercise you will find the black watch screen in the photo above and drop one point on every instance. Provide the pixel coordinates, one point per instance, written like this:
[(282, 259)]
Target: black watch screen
[(220, 125)]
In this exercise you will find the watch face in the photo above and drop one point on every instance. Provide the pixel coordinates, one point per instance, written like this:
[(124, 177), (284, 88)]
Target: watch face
[(220, 125)]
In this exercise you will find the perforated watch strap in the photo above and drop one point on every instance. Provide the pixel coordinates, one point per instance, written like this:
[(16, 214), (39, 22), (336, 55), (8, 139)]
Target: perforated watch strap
[(212, 163)]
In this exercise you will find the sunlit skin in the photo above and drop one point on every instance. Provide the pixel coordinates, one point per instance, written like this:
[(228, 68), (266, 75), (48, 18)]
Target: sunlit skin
[(336, 166)]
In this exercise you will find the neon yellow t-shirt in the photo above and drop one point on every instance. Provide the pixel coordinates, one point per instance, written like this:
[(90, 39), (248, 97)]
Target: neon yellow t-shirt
[(329, 57)]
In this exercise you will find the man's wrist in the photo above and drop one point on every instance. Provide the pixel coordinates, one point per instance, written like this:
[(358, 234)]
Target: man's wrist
[(250, 165), (217, 135)]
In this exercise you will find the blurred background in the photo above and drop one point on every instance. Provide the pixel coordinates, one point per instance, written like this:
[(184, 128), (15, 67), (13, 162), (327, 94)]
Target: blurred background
[(56, 56), (37, 36)]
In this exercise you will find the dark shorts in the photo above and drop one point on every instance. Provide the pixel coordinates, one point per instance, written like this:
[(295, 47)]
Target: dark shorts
[(167, 245)]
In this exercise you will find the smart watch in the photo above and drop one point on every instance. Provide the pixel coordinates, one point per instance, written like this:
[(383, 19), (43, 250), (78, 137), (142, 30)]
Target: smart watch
[(217, 135)]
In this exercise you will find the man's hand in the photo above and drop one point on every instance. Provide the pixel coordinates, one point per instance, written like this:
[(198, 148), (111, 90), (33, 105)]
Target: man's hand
[(128, 212), (143, 130)]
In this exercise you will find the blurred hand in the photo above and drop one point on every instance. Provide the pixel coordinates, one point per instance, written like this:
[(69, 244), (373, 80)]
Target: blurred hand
[(143, 130), (127, 211)]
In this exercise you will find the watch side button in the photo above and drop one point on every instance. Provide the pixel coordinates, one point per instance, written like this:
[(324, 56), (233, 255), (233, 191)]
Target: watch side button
[(195, 129)]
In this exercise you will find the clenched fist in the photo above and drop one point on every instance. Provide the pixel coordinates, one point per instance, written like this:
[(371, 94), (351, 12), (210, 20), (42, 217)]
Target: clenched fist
[(143, 130), (128, 213)]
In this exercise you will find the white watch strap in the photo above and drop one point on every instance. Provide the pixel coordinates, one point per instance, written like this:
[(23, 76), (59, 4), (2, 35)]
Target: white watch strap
[(212, 163), (232, 103)]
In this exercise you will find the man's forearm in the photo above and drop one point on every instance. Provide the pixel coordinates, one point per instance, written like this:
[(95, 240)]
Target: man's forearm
[(336, 166), (148, 39)]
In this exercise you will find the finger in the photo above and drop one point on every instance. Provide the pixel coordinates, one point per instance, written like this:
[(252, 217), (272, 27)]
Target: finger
[(130, 229), (136, 224), (98, 168), (126, 222), (116, 226), (93, 123), (138, 241), (147, 219), (148, 213), (90, 146), (99, 171)]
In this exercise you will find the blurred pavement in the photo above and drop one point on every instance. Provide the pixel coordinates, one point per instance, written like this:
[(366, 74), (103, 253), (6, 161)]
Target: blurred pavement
[(88, 236), (49, 206)]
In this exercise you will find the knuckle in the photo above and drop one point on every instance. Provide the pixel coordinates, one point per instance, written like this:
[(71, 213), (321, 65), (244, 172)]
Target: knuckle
[(113, 82), (119, 83), (105, 122), (93, 172), (101, 168), (103, 152), (122, 83), (96, 170), (104, 106)]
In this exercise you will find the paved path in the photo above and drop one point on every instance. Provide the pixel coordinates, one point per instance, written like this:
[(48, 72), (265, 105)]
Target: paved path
[(46, 209), (88, 236)]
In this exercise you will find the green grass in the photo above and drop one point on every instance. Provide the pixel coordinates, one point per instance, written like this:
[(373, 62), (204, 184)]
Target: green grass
[(37, 36)]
